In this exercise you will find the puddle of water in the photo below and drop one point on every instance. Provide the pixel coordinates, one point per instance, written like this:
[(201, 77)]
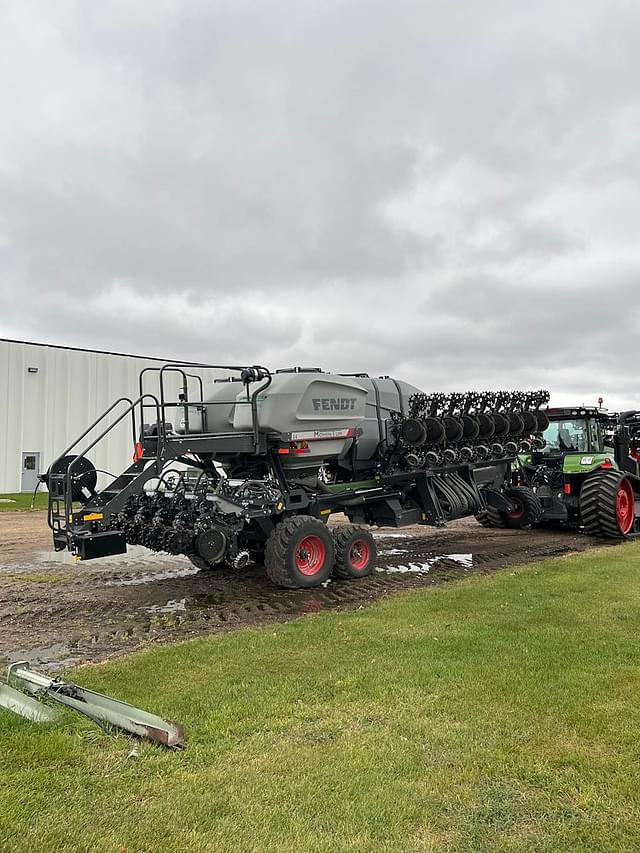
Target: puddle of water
[(175, 605), (465, 560), (150, 577), (387, 552), (377, 535), (134, 552)]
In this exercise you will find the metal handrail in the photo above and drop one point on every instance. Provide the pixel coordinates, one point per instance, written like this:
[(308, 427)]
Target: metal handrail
[(131, 409), (74, 443), (254, 408), (175, 369), (95, 424), (67, 491), (185, 389), (177, 366)]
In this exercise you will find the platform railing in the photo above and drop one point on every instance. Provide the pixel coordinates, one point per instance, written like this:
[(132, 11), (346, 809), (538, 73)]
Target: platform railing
[(66, 477), (256, 373)]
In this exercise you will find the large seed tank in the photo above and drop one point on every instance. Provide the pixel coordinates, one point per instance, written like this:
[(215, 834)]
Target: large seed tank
[(299, 405)]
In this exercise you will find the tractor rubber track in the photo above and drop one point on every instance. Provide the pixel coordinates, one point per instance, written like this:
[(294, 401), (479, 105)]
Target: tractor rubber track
[(598, 504)]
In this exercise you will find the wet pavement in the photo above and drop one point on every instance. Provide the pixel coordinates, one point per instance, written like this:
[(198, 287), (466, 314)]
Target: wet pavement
[(57, 614)]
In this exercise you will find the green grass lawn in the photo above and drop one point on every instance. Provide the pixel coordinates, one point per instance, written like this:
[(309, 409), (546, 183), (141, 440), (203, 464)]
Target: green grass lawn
[(501, 713), (22, 501)]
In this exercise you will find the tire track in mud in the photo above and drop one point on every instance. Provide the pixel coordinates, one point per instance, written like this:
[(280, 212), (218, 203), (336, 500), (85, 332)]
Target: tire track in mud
[(57, 614)]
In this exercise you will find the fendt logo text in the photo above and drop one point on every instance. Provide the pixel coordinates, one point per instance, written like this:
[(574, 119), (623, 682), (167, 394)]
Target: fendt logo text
[(334, 404)]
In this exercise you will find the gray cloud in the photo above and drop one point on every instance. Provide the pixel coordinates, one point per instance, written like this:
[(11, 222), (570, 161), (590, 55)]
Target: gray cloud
[(445, 192)]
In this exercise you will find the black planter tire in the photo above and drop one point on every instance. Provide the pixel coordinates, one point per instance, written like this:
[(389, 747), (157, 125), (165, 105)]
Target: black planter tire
[(300, 553), (528, 508), (356, 551), (490, 517)]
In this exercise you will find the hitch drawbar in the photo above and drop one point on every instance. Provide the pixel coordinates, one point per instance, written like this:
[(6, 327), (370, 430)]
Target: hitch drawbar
[(25, 688)]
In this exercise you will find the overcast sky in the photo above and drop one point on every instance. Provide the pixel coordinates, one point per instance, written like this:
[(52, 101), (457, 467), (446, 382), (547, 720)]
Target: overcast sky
[(446, 192)]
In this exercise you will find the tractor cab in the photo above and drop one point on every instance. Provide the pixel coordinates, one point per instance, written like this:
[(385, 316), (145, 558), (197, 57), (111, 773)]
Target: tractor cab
[(578, 431), (578, 441)]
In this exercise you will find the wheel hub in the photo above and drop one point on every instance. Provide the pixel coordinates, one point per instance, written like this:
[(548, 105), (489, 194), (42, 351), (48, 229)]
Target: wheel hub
[(518, 509), (359, 554), (625, 507), (310, 555)]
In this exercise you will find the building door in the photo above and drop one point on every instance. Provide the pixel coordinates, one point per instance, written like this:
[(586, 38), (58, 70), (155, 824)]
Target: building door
[(30, 470)]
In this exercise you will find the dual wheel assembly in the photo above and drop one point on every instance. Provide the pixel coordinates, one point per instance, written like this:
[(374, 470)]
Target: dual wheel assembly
[(302, 552)]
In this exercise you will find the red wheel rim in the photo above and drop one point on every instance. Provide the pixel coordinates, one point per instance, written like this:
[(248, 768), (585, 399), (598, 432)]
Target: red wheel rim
[(359, 554), (311, 555), (518, 512), (625, 507)]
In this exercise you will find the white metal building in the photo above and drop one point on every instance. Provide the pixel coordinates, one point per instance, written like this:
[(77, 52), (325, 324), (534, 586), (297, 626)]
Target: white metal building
[(50, 394)]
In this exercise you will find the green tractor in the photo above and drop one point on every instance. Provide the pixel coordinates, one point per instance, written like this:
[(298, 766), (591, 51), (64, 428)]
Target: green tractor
[(587, 475), (589, 472)]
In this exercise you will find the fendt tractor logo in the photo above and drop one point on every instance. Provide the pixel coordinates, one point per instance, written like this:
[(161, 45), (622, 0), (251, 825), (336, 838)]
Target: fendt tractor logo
[(334, 404)]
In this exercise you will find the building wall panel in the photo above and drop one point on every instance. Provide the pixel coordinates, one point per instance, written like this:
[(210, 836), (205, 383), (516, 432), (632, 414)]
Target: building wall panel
[(45, 411)]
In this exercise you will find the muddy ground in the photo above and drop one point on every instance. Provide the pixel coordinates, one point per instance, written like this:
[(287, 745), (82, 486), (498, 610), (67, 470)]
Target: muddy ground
[(59, 614)]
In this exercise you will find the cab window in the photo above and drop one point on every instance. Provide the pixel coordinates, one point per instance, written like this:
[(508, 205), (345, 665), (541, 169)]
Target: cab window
[(567, 435)]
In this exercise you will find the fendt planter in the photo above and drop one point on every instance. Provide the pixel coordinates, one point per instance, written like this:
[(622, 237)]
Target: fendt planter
[(253, 469), (587, 475)]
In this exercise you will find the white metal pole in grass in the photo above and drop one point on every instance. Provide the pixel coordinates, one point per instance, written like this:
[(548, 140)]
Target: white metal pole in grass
[(101, 709)]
